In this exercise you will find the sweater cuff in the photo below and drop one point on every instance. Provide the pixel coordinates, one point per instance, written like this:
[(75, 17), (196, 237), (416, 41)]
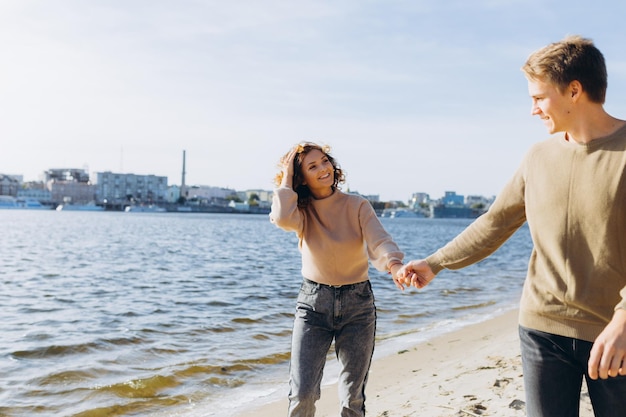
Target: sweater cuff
[(392, 262), (434, 261)]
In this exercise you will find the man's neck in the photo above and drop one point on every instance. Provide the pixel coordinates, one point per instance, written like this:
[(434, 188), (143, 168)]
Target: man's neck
[(594, 124)]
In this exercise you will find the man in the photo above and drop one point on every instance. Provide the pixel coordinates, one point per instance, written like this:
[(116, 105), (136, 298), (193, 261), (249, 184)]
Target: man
[(571, 189)]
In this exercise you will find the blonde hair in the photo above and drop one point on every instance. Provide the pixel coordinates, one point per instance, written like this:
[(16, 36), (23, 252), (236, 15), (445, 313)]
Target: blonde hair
[(572, 59)]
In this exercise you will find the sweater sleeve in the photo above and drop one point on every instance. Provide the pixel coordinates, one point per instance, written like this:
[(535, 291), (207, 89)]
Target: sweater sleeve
[(488, 232), (381, 248), (284, 212)]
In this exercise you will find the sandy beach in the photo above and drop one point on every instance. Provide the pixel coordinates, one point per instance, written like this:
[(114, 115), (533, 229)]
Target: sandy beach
[(475, 371)]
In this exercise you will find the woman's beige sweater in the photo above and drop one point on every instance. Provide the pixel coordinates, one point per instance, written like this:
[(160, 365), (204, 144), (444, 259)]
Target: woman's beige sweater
[(337, 236), (573, 197)]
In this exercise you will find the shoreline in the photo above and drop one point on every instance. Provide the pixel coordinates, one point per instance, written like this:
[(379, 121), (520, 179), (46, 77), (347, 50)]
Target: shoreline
[(473, 371)]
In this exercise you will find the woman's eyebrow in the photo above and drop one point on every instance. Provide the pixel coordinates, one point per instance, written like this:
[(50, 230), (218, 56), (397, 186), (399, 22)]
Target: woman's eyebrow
[(314, 162)]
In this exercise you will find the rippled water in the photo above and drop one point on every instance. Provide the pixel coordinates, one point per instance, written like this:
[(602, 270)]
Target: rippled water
[(133, 314)]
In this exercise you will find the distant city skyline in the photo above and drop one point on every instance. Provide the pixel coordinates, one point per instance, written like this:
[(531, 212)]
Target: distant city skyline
[(175, 183), (422, 96)]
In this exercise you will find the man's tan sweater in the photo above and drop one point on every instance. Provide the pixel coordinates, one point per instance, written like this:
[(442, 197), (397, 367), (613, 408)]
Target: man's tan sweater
[(573, 197), (337, 236)]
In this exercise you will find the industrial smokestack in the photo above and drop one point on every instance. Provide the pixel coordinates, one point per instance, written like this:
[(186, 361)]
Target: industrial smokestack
[(183, 192)]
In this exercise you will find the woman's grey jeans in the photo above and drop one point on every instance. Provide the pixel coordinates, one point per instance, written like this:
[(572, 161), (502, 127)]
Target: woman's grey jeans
[(347, 315)]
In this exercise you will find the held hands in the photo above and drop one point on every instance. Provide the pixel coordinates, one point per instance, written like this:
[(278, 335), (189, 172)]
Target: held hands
[(608, 354), (416, 273)]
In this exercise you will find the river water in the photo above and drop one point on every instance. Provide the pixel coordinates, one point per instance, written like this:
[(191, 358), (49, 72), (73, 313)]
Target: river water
[(165, 314)]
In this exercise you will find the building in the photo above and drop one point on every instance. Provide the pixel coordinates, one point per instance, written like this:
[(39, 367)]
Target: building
[(9, 185), (208, 193), (66, 175), (173, 193), (441, 211), (259, 201), (451, 198), (115, 189), (453, 205), (261, 195), (35, 190), (69, 186), (478, 201), (418, 199)]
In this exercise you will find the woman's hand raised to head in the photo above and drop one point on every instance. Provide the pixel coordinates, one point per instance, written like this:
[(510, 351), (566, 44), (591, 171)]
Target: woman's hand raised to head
[(287, 163)]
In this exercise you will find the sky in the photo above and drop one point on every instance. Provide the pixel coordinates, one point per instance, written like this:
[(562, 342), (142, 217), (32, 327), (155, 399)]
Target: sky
[(411, 95)]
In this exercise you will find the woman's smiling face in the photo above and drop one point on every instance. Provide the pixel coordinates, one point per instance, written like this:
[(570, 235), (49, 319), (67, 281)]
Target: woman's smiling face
[(318, 173)]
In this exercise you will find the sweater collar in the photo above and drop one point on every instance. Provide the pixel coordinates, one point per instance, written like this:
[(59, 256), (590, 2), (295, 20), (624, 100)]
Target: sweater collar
[(619, 133)]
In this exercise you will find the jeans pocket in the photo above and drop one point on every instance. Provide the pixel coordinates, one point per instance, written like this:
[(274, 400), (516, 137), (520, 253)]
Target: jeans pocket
[(364, 291), (309, 288), (309, 297)]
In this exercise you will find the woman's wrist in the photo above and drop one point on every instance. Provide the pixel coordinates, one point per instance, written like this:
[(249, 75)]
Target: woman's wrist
[(394, 263)]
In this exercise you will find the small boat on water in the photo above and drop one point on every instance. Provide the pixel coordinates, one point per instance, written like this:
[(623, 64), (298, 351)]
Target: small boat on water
[(399, 212), (79, 207), (9, 202), (144, 209)]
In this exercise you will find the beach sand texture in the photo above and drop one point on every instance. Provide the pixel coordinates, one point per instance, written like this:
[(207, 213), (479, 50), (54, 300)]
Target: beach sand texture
[(475, 371)]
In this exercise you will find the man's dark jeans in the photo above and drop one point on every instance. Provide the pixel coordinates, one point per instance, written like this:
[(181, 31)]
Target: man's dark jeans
[(554, 367)]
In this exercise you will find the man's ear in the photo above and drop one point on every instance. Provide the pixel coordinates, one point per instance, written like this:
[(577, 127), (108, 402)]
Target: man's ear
[(576, 89)]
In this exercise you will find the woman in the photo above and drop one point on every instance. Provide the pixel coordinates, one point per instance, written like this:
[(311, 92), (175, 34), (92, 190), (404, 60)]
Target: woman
[(338, 234)]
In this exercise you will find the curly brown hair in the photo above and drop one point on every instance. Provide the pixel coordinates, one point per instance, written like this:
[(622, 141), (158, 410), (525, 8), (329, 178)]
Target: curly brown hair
[(303, 191)]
